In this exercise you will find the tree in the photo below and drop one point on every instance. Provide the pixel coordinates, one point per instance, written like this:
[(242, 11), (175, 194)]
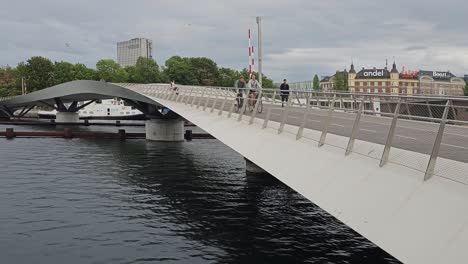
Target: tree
[(63, 72), (110, 71), (84, 73), (341, 80), (146, 70), (180, 70), (316, 83), (227, 77), (466, 88), (38, 73), (205, 71), (266, 82), (9, 85)]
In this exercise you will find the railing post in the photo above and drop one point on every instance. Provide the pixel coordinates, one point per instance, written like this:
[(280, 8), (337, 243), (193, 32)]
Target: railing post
[(284, 117), (435, 150), (233, 103), (267, 117), (215, 102), (408, 110), (194, 96), (254, 113), (391, 133), (169, 93), (327, 122), (201, 97), (355, 131), (210, 92), (244, 105), (304, 119), (429, 109), (224, 102), (189, 95)]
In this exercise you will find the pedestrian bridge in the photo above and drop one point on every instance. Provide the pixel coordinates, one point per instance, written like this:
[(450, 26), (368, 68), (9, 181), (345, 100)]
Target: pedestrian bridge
[(393, 168)]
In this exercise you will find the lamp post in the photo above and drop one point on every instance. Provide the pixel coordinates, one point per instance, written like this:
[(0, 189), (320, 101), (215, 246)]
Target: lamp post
[(260, 57)]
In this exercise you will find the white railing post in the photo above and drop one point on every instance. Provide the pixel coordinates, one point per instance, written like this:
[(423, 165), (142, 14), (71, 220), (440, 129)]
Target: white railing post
[(201, 97), (328, 120), (355, 131), (300, 131), (391, 133), (215, 101), (267, 118), (284, 117), (435, 150), (254, 113)]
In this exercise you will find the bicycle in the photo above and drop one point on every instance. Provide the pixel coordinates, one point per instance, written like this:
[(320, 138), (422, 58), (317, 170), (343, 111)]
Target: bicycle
[(239, 102), (252, 107)]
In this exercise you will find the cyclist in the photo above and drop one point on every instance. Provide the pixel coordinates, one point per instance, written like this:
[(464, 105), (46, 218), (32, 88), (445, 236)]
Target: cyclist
[(254, 87), (240, 85)]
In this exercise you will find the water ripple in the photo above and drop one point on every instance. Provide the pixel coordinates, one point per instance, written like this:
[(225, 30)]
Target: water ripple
[(90, 201)]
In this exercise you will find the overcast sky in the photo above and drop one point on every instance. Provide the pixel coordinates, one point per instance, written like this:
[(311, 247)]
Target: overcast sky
[(301, 37)]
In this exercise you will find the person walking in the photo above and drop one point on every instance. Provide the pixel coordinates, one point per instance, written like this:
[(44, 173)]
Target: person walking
[(240, 86), (284, 90), (254, 87)]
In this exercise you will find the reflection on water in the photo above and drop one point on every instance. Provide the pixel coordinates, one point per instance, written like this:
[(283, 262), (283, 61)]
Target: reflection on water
[(106, 201)]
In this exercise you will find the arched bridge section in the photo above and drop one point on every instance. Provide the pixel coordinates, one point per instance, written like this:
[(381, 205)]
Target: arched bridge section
[(393, 168), (65, 97)]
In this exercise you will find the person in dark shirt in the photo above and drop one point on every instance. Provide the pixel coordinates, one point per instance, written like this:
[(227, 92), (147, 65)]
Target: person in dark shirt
[(284, 90), (240, 86)]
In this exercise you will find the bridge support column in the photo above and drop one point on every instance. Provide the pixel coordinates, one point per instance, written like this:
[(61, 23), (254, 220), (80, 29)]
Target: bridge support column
[(252, 168), (67, 117), (169, 130)]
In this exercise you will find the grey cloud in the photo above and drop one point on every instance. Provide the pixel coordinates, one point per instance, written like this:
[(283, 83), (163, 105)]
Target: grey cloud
[(301, 37)]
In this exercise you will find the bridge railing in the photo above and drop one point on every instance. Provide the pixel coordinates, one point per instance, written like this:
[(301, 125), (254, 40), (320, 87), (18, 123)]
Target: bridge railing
[(433, 129)]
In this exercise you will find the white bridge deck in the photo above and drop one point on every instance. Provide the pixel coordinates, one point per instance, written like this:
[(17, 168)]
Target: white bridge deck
[(398, 176)]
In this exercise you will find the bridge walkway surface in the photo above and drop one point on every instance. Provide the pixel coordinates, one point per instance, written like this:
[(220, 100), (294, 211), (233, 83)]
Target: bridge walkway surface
[(415, 216)]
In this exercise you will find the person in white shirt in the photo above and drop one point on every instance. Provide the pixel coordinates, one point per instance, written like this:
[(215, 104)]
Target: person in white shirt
[(254, 88)]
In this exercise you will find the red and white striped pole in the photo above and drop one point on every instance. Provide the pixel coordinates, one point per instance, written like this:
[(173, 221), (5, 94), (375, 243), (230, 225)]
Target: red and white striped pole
[(251, 57)]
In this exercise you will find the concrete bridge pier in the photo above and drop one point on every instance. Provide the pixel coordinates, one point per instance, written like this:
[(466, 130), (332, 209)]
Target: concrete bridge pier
[(67, 117), (168, 130)]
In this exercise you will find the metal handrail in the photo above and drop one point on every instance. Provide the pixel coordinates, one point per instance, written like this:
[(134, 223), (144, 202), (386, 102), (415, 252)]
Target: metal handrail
[(398, 107)]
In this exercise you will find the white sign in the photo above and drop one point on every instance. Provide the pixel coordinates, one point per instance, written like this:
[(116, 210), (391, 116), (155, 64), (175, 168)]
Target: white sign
[(439, 74), (376, 73)]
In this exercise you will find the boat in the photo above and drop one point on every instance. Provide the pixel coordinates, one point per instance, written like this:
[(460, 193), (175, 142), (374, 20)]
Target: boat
[(110, 109)]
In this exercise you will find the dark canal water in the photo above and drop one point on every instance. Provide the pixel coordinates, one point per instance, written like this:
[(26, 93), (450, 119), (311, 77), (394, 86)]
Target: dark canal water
[(106, 201)]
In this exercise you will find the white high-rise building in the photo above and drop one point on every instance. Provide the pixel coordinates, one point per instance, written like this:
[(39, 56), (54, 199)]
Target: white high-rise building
[(129, 51)]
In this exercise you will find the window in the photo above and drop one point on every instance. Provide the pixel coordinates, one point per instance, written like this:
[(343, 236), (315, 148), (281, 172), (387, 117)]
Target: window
[(384, 90), (376, 84), (361, 90), (368, 90), (376, 90), (368, 83)]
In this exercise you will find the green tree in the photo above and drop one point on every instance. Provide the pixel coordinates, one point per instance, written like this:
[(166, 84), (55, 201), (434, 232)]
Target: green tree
[(316, 82), (63, 72), (227, 77), (9, 85), (267, 82), (38, 73), (205, 71), (180, 70), (466, 88), (84, 73), (146, 70), (341, 81), (110, 71)]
